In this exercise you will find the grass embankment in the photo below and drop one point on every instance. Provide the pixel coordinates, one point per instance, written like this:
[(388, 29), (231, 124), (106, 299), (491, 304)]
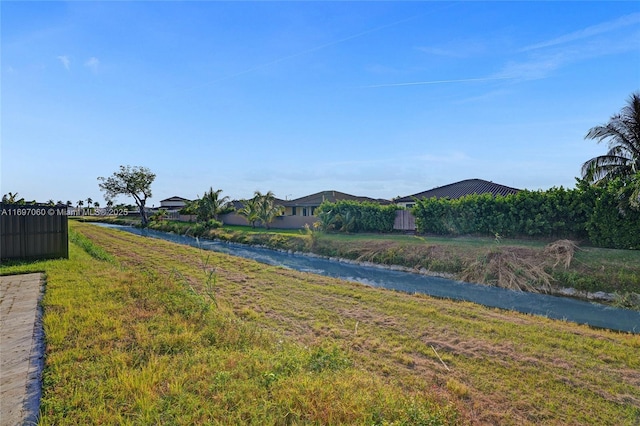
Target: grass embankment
[(165, 334), (529, 265)]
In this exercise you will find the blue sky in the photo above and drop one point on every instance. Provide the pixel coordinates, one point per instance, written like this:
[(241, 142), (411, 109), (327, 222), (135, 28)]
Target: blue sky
[(378, 99)]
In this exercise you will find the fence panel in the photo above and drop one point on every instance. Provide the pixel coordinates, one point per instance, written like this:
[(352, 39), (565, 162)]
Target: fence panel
[(33, 232), (404, 221)]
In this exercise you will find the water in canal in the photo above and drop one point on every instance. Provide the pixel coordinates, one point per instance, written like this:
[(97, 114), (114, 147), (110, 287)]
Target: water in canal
[(564, 308)]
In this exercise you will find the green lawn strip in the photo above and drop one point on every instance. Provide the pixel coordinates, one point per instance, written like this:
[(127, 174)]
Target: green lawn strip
[(127, 343), (497, 366)]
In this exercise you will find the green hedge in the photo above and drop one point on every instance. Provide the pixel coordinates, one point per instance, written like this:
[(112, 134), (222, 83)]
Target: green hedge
[(612, 222), (597, 213), (554, 213), (354, 216)]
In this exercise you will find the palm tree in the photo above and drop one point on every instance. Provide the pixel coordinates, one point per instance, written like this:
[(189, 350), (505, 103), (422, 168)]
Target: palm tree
[(622, 133), (10, 198), (267, 209), (211, 204), (249, 211)]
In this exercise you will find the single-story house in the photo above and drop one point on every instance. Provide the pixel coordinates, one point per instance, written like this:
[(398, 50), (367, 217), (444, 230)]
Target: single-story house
[(300, 212), (307, 205), (458, 190), (173, 203)]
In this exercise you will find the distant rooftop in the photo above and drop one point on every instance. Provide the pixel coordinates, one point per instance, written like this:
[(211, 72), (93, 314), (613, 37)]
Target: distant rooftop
[(331, 196), (460, 189), (174, 198)]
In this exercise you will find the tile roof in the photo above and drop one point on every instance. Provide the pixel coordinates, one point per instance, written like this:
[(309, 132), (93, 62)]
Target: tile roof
[(174, 198), (331, 196), (460, 189)]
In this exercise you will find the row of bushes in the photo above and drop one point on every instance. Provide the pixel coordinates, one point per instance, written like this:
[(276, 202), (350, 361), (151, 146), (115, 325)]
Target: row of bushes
[(600, 213), (554, 213), (612, 222), (354, 216)]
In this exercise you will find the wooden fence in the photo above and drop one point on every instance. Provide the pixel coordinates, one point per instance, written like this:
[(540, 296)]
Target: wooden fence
[(405, 221), (33, 232)]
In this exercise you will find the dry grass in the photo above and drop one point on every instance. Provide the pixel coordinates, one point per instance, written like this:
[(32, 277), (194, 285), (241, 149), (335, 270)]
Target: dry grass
[(515, 268), (561, 252), (521, 268)]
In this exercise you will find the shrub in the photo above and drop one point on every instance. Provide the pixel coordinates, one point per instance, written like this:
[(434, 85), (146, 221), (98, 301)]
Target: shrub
[(354, 216), (602, 214)]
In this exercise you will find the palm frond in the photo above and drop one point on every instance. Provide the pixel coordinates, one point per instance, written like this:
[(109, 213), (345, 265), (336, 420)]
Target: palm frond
[(622, 133)]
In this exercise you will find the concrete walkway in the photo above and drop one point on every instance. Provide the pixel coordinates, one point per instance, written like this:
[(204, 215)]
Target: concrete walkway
[(21, 348)]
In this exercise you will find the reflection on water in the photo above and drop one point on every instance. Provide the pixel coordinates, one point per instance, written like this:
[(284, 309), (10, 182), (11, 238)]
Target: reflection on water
[(579, 311)]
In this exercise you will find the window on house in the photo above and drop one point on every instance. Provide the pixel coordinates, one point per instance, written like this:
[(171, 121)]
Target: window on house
[(293, 211), (304, 211)]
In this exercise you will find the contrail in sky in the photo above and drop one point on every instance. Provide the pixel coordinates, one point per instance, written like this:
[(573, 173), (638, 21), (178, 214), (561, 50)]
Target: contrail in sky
[(323, 46), (418, 83), (314, 49), (293, 55)]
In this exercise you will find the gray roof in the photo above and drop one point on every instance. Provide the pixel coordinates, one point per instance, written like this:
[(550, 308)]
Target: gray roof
[(331, 196), (174, 198), (460, 189)]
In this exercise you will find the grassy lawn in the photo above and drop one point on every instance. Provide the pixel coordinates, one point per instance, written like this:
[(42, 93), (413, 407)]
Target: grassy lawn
[(143, 331)]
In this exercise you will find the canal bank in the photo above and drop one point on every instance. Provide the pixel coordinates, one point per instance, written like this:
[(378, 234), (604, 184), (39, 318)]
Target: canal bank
[(563, 308)]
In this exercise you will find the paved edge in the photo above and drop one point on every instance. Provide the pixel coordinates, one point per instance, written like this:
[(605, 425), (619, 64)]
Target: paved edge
[(31, 404), (29, 411)]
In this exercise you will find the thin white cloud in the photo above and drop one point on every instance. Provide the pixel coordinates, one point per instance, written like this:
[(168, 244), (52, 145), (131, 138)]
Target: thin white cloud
[(588, 32), (93, 63), (319, 47), (540, 64), (460, 80), (533, 69), (453, 157), (437, 51), (66, 62), (456, 49)]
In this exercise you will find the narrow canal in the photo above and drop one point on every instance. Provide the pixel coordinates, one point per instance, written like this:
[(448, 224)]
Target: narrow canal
[(582, 312)]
